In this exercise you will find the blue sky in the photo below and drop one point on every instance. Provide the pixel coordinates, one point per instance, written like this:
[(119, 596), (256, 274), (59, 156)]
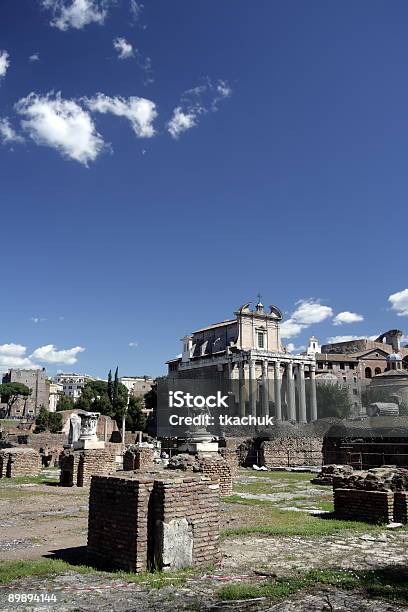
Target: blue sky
[(198, 153)]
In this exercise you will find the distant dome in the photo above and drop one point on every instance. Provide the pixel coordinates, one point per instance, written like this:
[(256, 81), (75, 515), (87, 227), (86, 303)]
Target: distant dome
[(394, 357)]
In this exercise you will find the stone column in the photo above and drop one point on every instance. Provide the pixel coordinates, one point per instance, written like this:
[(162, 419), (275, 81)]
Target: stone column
[(265, 385), (241, 389), (278, 405), (252, 388), (302, 394), (291, 392), (313, 400)]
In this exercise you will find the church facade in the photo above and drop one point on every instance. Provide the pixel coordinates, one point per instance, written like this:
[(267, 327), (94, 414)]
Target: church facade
[(246, 354)]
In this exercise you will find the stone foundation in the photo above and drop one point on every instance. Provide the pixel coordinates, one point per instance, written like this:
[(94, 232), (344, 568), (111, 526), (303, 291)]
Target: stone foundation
[(361, 505), (232, 458), (329, 472), (16, 462), (138, 458), (139, 523), (77, 467)]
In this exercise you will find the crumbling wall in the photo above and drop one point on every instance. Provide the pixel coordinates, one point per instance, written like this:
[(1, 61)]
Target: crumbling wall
[(215, 467), (292, 451), (77, 467), (140, 523), (16, 462), (138, 458)]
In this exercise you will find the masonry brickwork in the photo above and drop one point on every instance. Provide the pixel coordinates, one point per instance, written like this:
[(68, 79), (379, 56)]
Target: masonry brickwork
[(361, 505), (212, 465), (401, 507), (16, 462), (145, 522), (291, 451), (138, 458), (77, 467)]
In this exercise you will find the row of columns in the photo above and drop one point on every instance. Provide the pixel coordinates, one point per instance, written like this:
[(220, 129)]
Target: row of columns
[(277, 390)]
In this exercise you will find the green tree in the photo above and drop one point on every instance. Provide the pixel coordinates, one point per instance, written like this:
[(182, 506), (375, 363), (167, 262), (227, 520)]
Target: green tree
[(110, 386), (48, 421), (65, 403), (370, 395), (10, 392), (95, 398), (135, 417), (333, 400)]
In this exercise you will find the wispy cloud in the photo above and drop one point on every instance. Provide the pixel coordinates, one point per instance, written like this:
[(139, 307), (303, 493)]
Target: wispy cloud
[(139, 111), (61, 124), (77, 14), (194, 103), (37, 319), (123, 48), (8, 135), (133, 344), (4, 63), (35, 57), (136, 9)]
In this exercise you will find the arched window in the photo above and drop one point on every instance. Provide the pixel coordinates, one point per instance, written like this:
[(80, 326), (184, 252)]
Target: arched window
[(377, 371), (368, 373)]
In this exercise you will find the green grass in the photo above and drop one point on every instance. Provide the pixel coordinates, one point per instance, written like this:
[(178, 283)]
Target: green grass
[(391, 585), (40, 479), (278, 475), (45, 568), (289, 523)]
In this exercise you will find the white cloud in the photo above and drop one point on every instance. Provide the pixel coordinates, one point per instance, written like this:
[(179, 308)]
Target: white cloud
[(49, 354), (307, 312), (61, 124), (133, 344), (8, 133), (290, 329), (139, 111), (35, 57), (37, 319), (123, 47), (14, 356), (77, 13), (12, 350), (4, 63), (136, 9), (181, 122), (291, 348), (347, 317), (334, 339), (311, 311), (197, 101), (399, 302)]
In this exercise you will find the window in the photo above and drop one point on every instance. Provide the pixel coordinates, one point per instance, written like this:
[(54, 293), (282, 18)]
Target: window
[(261, 344), (320, 365), (351, 366), (329, 366), (342, 366), (368, 372), (355, 392)]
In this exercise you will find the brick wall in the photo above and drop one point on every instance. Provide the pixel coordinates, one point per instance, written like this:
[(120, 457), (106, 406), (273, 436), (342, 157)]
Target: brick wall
[(19, 462), (291, 451), (232, 458), (139, 523), (219, 471), (77, 467), (362, 505), (401, 507), (138, 459)]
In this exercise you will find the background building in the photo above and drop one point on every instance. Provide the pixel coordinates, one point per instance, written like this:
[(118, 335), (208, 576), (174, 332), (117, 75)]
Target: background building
[(55, 392), (247, 354), (37, 382), (72, 384), (137, 385)]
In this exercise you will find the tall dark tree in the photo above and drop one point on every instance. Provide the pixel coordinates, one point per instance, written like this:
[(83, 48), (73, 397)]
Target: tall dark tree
[(65, 403), (110, 386), (115, 387)]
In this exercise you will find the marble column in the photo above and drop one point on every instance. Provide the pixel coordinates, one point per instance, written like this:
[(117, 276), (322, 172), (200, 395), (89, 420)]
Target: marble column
[(313, 399), (241, 389), (291, 392), (252, 388), (265, 388), (302, 394), (278, 404)]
